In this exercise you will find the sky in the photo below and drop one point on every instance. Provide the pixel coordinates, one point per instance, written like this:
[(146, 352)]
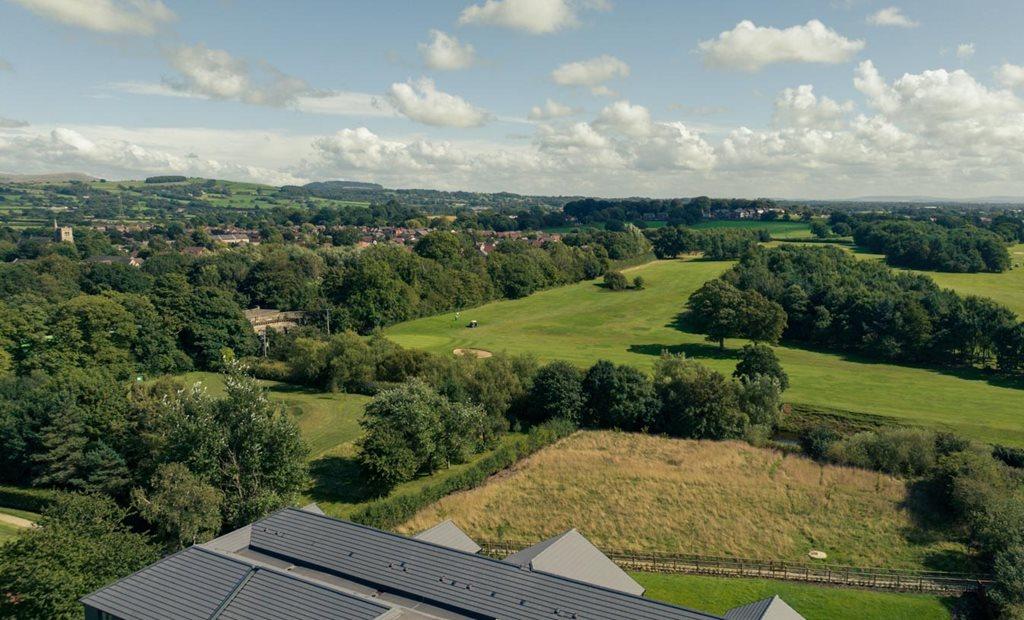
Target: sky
[(787, 99)]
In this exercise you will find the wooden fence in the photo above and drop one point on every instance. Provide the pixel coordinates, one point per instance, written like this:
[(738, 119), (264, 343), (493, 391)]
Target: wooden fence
[(820, 573)]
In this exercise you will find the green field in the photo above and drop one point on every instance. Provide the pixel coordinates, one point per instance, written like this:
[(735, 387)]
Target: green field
[(778, 229), (585, 322), (9, 529), (329, 423), (1007, 288), (718, 595)]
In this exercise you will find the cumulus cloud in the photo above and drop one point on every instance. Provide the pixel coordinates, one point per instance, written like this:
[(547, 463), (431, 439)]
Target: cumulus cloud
[(445, 53), (532, 16), (551, 109), (591, 73), (749, 47), (801, 107), (964, 51), (892, 16), (217, 74), (141, 17), (422, 102), (626, 118), (1010, 75)]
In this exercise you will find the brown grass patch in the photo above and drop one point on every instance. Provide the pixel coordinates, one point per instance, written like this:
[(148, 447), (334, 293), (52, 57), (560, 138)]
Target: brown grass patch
[(640, 492)]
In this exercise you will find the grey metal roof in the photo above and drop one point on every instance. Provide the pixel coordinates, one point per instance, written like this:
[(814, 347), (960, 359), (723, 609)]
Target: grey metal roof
[(199, 584), (773, 608), (572, 555), (447, 534), (468, 584)]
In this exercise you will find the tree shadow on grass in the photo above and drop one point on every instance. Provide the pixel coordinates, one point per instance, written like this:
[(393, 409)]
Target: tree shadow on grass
[(338, 479), (930, 525), (690, 350)]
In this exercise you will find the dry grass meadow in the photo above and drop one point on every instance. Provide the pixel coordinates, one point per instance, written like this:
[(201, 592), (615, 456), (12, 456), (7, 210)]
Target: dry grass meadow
[(641, 492)]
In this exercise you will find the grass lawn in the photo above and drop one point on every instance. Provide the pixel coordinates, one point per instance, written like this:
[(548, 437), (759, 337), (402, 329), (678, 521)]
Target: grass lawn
[(1007, 288), (585, 322), (636, 492), (778, 229), (718, 595), (9, 530)]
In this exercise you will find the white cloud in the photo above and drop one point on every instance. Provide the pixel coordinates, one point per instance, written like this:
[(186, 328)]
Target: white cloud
[(1010, 76), (219, 75), (892, 16), (964, 51), (445, 53), (800, 107), (10, 123), (591, 73), (120, 153), (626, 118), (422, 102), (551, 109), (123, 16), (532, 16), (749, 47), (340, 103)]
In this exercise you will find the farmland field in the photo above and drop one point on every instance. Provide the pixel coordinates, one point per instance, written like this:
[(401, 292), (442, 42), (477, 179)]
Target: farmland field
[(585, 322), (778, 229), (718, 595), (636, 492)]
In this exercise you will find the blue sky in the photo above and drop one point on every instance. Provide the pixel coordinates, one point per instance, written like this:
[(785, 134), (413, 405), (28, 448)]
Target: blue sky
[(789, 99)]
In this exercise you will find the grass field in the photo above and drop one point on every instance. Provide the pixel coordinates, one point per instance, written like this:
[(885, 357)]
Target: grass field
[(778, 229), (636, 492), (9, 530), (1007, 288), (585, 322), (718, 595)]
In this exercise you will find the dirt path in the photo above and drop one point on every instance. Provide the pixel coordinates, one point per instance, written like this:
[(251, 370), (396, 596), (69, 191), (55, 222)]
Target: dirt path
[(15, 521)]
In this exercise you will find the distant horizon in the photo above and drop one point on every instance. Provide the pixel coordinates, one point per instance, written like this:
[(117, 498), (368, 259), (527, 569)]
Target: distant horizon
[(908, 199)]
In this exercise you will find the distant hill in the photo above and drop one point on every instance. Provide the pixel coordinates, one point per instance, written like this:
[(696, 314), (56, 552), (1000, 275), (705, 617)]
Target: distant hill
[(936, 199), (53, 177), (322, 186)]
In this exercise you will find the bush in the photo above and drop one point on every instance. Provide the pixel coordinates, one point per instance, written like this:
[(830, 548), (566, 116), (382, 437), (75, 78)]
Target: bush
[(639, 283), (760, 359), (818, 440), (905, 452), (615, 281)]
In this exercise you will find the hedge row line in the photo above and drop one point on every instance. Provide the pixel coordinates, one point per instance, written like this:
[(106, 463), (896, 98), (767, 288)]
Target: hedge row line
[(389, 512), (32, 500)]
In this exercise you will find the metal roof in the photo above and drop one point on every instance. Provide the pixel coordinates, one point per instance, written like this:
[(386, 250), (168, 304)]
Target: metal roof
[(572, 555), (468, 584), (447, 534), (773, 608), (199, 584)]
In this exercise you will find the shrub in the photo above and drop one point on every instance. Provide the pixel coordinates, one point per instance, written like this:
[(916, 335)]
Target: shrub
[(818, 440), (907, 452), (639, 283), (760, 359), (615, 281)]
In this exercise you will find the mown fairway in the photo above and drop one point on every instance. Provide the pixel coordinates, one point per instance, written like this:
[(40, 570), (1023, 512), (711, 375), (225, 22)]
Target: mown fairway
[(1007, 288), (635, 492), (584, 322), (717, 595)]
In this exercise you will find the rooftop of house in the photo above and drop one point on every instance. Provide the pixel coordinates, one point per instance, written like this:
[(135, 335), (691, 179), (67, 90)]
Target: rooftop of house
[(298, 564)]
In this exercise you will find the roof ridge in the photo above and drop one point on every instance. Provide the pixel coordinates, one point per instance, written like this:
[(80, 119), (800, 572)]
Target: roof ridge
[(234, 592)]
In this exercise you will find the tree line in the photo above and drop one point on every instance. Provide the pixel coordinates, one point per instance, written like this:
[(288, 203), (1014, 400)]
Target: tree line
[(714, 243), (827, 297), (928, 245)]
